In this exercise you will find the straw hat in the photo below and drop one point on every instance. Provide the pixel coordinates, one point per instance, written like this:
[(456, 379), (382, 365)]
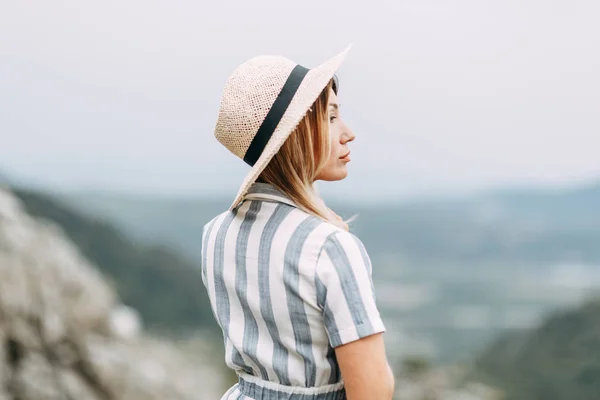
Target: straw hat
[(263, 101)]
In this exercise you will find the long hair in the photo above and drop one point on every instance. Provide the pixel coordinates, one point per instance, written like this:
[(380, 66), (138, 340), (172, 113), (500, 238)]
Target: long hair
[(303, 155)]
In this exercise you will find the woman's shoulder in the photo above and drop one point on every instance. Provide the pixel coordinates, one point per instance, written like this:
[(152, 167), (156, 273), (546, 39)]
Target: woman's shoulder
[(344, 241), (210, 225), (327, 235), (313, 231), (212, 222)]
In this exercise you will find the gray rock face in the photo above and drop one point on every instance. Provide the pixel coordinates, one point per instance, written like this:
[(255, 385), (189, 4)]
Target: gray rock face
[(63, 333)]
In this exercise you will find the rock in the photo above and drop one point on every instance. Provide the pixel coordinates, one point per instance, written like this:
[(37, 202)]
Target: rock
[(76, 387), (125, 322), (36, 379), (64, 333)]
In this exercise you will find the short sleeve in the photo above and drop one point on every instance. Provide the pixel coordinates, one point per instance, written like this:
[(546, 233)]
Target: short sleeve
[(345, 291)]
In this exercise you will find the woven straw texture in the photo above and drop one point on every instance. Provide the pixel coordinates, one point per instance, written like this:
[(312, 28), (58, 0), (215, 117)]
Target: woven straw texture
[(247, 98)]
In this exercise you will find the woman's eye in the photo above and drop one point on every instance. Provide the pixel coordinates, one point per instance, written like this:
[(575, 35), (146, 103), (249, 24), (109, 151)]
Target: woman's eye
[(331, 118)]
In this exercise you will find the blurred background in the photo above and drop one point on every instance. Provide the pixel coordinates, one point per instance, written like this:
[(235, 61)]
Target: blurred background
[(475, 177)]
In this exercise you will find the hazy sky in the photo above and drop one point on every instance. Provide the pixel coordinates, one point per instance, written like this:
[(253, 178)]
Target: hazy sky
[(443, 95)]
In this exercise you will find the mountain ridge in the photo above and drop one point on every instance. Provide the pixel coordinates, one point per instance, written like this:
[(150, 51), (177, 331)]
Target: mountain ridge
[(532, 227)]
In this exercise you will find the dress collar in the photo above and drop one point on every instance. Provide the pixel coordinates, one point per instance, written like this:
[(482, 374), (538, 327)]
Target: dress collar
[(267, 192)]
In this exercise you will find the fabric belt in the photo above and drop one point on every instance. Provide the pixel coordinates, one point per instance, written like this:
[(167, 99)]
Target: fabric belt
[(257, 388)]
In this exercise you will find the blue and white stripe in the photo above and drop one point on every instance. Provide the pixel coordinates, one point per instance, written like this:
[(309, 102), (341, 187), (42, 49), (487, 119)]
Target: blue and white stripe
[(286, 288)]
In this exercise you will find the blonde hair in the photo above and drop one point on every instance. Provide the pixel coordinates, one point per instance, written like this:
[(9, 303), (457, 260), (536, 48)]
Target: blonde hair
[(303, 155)]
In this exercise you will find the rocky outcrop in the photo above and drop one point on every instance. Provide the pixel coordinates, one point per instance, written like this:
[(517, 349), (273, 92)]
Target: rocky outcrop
[(64, 334)]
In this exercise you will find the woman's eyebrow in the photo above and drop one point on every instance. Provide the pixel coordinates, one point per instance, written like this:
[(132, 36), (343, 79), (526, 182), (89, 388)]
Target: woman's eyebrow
[(334, 105)]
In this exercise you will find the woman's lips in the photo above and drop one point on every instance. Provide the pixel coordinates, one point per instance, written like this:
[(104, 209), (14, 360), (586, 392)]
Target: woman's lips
[(345, 157)]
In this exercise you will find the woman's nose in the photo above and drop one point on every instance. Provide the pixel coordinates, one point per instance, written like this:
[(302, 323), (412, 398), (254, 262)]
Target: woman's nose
[(347, 134)]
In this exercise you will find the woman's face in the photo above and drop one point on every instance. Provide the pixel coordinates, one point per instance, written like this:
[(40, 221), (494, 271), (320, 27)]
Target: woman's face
[(340, 135)]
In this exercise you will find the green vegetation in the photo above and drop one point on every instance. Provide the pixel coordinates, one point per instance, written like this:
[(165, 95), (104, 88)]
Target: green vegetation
[(557, 361), (415, 366), (165, 288)]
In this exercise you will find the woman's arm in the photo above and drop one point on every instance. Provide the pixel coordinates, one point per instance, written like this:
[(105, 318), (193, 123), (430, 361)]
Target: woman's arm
[(345, 293), (365, 370)]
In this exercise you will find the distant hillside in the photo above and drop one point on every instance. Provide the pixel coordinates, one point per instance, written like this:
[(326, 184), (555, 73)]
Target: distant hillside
[(558, 361), (4, 180), (533, 227), (164, 287), (176, 223)]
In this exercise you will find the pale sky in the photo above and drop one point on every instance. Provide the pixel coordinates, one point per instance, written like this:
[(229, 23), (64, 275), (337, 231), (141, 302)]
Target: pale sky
[(444, 96)]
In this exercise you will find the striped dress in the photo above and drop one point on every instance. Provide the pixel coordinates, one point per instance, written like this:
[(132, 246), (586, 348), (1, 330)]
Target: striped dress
[(286, 288)]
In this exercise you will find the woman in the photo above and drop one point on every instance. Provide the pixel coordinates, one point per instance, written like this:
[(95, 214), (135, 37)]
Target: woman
[(288, 284)]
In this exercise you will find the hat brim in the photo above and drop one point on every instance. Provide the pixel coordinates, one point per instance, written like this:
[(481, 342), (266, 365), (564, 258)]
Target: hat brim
[(308, 92)]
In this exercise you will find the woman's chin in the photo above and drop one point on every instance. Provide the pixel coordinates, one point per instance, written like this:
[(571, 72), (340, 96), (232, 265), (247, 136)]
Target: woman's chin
[(335, 175)]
